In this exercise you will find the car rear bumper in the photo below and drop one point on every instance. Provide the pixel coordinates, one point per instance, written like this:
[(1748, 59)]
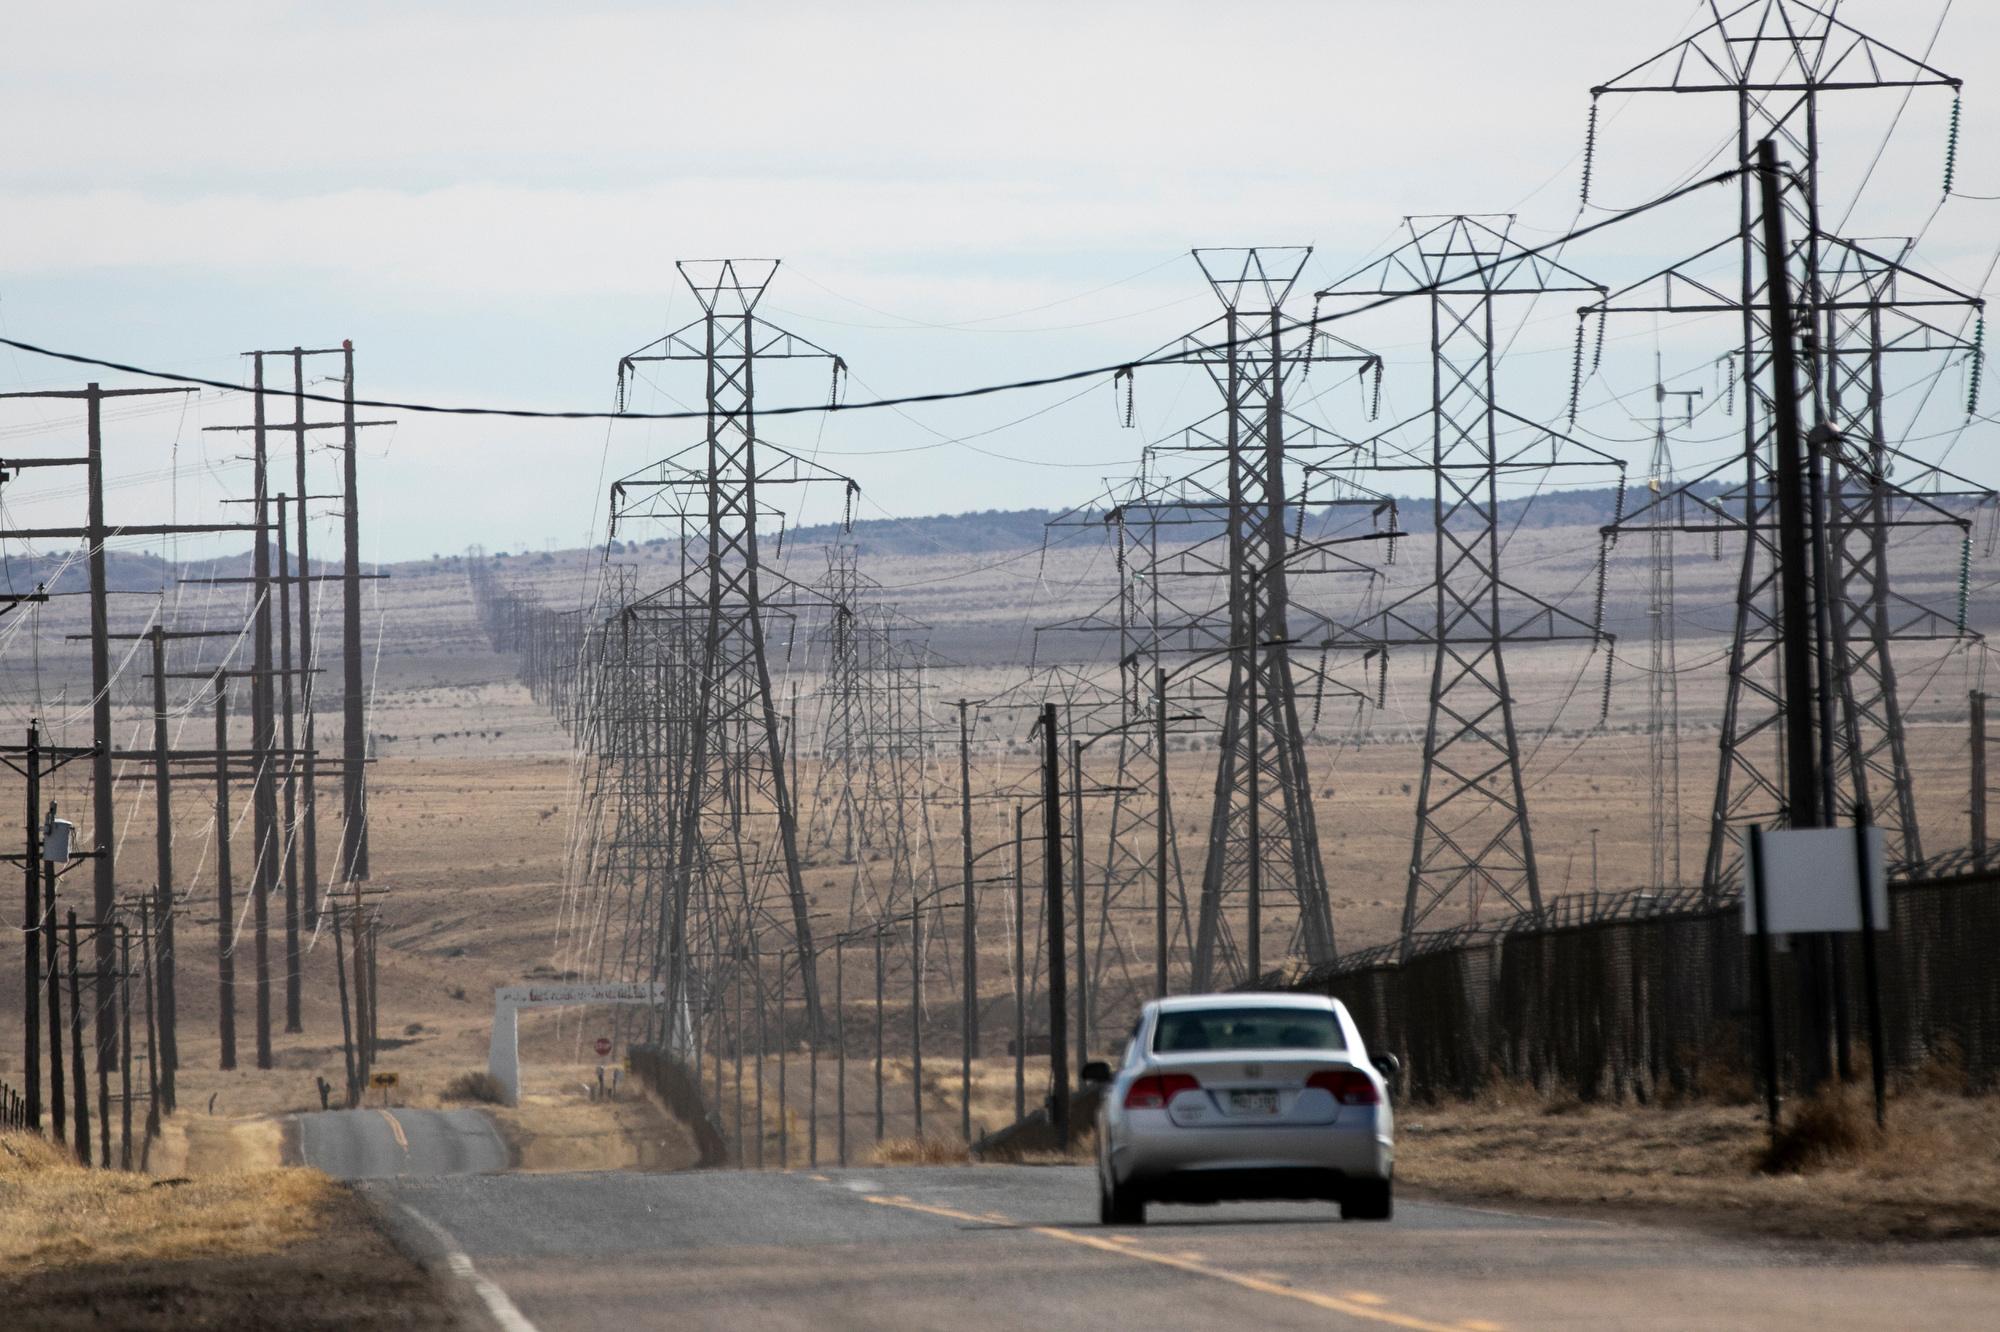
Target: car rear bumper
[(1309, 1161), (1246, 1183)]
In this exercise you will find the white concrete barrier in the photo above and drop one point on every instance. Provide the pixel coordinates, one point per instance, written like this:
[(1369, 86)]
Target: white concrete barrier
[(503, 1057)]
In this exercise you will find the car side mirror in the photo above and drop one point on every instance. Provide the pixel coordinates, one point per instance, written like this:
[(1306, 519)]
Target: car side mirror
[(1097, 1071), (1390, 1068)]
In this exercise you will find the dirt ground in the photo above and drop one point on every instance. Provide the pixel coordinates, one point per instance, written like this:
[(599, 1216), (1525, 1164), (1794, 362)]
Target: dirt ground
[(278, 1249), (1934, 1174)]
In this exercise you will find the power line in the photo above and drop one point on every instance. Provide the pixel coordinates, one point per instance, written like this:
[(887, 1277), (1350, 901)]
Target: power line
[(1173, 357)]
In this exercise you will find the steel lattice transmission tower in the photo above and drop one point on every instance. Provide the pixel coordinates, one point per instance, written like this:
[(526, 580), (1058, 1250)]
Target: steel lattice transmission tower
[(1874, 308), (839, 821), (1663, 687), (872, 788), (1473, 838), (1157, 529), (1206, 613), (735, 769), (1262, 827), (1778, 58)]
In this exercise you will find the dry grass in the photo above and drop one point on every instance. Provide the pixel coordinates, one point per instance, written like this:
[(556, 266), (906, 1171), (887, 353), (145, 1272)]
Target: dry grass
[(1082, 1151), (556, 1130), (481, 1087), (53, 1213), (921, 1151), (1823, 1132), (1934, 1174), (265, 1248)]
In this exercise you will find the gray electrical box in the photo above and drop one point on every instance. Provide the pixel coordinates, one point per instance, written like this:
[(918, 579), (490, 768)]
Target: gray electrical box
[(55, 841)]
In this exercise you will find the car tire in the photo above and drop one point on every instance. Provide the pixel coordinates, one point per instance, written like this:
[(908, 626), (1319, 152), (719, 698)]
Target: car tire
[(1119, 1207), (1369, 1200)]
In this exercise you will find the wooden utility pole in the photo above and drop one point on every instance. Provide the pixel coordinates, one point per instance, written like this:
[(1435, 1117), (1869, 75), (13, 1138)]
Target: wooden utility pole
[(308, 653), (289, 826), (35, 761), (1052, 854), (124, 942), (153, 1107), (163, 890), (917, 1015), (53, 967), (354, 749), (969, 943), (32, 929), (225, 885), (79, 1087), (263, 790), (1076, 893), (1020, 974), (1794, 522), (107, 1002), (1798, 596), (360, 987), (346, 1019), (353, 853), (95, 532), (103, 813), (161, 758), (374, 989)]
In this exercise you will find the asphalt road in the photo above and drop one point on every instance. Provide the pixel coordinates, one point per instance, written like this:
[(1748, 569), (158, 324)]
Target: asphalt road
[(383, 1144), (1019, 1247)]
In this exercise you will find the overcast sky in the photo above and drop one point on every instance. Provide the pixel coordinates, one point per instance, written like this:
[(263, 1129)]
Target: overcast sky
[(488, 199)]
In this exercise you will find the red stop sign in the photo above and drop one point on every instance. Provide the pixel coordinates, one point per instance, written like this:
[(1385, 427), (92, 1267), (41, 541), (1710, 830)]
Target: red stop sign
[(603, 1046)]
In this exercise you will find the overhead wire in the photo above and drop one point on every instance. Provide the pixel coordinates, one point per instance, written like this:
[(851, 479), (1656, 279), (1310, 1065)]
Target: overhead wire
[(942, 395)]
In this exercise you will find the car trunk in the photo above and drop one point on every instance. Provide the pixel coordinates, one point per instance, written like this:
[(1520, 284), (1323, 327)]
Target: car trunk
[(1251, 1089)]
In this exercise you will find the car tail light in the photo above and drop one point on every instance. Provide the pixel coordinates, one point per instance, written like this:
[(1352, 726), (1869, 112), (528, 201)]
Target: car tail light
[(1155, 1090), (1350, 1086)]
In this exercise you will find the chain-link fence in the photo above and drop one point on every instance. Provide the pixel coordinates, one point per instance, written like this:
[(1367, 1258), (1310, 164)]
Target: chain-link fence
[(1644, 995)]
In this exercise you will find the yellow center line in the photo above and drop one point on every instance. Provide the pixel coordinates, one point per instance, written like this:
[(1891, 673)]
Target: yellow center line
[(396, 1129), (1352, 1308)]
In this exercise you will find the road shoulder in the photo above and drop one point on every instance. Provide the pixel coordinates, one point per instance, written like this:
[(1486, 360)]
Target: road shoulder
[(279, 1248)]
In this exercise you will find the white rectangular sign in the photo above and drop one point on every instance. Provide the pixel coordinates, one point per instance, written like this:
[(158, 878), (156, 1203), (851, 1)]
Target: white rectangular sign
[(1811, 882)]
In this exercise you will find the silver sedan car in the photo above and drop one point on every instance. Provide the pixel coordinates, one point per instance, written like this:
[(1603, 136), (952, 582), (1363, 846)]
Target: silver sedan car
[(1240, 1096)]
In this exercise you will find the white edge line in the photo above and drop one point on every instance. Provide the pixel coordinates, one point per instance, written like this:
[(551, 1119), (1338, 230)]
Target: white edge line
[(510, 1318)]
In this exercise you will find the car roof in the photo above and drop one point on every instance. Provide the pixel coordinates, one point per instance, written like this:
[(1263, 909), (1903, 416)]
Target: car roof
[(1243, 999)]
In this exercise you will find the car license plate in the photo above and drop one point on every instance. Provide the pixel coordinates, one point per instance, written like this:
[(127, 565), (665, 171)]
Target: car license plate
[(1253, 1102)]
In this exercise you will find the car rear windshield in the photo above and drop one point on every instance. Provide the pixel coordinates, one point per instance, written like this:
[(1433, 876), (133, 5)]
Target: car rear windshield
[(1195, 1029)]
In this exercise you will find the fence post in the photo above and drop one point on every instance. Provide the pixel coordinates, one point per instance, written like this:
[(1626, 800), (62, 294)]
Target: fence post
[(1753, 888), (1978, 806), (1870, 975)]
